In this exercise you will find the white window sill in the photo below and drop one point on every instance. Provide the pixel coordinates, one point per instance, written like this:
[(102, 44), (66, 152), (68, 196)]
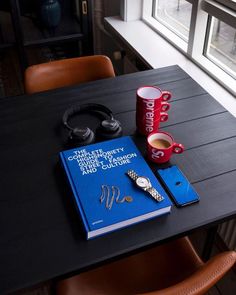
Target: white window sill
[(158, 53)]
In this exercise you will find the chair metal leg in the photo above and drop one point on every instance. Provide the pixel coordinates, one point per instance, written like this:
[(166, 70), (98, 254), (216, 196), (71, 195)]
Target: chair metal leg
[(209, 242)]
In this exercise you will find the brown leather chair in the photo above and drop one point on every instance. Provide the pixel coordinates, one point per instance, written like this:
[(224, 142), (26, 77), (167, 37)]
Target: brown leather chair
[(67, 72), (171, 269)]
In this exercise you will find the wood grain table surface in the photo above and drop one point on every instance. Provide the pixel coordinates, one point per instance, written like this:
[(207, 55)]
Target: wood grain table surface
[(41, 236)]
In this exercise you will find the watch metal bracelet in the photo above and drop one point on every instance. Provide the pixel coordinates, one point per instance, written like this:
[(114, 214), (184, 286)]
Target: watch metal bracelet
[(154, 193), (132, 174), (151, 190)]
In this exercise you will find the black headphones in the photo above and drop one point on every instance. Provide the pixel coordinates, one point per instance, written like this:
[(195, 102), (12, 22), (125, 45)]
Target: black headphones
[(109, 127)]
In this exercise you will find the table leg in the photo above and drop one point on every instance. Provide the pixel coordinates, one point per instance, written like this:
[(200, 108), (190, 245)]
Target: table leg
[(209, 242)]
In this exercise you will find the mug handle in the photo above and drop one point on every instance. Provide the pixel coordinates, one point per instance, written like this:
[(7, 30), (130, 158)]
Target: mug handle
[(164, 117), (178, 148), (166, 95), (165, 106)]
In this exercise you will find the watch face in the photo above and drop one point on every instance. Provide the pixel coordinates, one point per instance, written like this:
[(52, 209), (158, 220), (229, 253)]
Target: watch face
[(143, 182)]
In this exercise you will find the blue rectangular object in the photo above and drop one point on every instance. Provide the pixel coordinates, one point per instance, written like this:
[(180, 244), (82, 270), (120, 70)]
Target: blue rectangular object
[(97, 169), (178, 186)]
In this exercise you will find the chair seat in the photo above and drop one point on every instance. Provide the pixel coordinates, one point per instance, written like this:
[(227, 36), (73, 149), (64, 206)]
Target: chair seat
[(153, 269)]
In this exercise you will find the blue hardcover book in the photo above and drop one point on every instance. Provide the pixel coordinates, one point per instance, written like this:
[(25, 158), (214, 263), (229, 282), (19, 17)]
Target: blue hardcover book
[(106, 197)]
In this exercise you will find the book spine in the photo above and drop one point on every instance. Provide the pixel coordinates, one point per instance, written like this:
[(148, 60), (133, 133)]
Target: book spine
[(76, 197)]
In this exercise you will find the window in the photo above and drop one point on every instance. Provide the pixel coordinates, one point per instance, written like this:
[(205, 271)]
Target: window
[(176, 15), (221, 45), (204, 30)]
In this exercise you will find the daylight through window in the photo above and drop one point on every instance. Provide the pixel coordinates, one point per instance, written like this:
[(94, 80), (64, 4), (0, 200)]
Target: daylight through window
[(204, 30)]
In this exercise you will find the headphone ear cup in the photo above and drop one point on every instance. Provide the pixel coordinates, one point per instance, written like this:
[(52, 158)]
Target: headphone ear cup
[(81, 136), (109, 129)]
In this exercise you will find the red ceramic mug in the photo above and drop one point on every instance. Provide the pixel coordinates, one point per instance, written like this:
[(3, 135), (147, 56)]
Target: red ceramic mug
[(153, 94), (161, 146), (144, 104), (151, 102), (150, 123)]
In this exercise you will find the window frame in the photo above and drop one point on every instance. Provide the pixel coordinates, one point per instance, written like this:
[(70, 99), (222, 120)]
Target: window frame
[(228, 3), (212, 58), (165, 23), (195, 48)]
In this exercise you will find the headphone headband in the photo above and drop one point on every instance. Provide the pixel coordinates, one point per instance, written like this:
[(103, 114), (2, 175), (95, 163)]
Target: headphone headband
[(75, 109), (109, 127)]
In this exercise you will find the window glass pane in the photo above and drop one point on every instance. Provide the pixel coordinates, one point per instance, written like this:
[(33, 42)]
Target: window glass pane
[(175, 14), (221, 46)]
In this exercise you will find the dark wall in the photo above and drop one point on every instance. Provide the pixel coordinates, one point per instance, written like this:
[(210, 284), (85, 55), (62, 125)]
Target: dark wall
[(5, 5), (26, 5), (29, 6)]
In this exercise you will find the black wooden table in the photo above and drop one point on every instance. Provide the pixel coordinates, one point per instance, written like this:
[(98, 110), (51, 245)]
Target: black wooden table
[(41, 236)]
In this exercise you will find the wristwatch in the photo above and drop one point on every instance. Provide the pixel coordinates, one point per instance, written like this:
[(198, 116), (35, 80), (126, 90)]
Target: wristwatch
[(145, 184)]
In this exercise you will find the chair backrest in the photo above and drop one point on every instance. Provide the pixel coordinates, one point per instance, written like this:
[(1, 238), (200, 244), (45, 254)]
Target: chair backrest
[(170, 269), (67, 72)]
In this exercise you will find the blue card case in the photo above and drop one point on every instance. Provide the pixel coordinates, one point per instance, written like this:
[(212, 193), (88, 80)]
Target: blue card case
[(178, 186)]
